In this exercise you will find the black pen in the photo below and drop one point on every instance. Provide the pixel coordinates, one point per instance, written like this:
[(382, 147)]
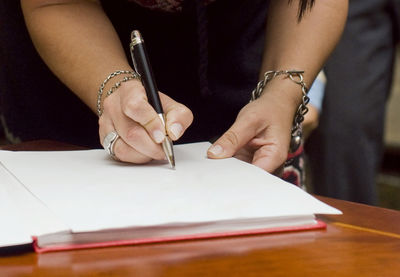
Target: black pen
[(142, 67)]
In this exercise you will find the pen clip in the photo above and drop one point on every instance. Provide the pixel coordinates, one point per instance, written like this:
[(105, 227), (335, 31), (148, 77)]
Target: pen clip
[(135, 67)]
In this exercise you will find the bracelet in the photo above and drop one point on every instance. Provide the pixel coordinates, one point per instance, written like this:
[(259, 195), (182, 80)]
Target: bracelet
[(109, 77), (297, 77), (118, 84)]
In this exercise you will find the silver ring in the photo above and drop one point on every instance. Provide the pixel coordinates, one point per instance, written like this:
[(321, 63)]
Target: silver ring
[(109, 142)]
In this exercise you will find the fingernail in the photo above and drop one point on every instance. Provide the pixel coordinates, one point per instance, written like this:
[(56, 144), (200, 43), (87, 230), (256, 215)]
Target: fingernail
[(176, 130), (158, 136), (216, 150)]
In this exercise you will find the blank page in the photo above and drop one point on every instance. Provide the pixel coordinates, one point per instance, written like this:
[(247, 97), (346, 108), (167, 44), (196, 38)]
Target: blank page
[(89, 191)]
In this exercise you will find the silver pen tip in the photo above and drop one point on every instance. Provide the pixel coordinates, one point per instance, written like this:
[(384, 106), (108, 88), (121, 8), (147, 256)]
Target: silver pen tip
[(169, 151), (171, 161)]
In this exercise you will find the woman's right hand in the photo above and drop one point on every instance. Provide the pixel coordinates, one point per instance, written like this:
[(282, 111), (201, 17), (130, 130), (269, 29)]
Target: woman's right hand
[(140, 128)]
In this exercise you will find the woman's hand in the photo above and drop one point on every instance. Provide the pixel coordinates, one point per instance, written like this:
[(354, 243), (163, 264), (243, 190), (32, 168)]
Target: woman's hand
[(260, 134), (140, 128)]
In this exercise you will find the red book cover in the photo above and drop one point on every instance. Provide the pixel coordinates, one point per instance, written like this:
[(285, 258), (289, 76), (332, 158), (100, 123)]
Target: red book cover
[(318, 225)]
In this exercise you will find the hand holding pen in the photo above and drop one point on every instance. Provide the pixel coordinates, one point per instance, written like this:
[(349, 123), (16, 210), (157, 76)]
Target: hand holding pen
[(131, 113), (143, 68)]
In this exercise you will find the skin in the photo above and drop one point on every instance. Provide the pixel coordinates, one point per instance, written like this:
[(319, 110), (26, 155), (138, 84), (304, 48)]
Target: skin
[(71, 46)]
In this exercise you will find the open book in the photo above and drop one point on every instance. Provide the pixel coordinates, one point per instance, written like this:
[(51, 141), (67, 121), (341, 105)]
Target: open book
[(80, 199)]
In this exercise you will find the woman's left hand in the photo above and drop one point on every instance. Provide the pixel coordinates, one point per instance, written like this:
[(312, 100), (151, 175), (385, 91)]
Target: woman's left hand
[(260, 135)]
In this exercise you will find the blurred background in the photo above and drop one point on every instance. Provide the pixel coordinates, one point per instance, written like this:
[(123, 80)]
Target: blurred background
[(388, 181)]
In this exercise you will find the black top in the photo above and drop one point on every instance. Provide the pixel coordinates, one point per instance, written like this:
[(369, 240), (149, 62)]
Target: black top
[(35, 105)]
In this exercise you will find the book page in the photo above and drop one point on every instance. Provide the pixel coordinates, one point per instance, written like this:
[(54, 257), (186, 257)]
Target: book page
[(89, 191), (13, 230), (22, 214)]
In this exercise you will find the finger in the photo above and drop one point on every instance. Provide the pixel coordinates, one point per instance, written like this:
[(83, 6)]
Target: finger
[(135, 106), (271, 148), (126, 153), (243, 130), (135, 136), (122, 151), (137, 146), (178, 116), (270, 157)]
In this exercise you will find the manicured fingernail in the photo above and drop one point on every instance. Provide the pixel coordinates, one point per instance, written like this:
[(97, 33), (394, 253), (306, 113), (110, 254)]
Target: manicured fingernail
[(158, 136), (216, 150), (176, 130)]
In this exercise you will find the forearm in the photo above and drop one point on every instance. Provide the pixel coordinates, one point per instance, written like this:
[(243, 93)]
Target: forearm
[(77, 41), (301, 45)]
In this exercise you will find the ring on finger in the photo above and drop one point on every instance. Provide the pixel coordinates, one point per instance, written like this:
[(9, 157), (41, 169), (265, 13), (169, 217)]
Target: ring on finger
[(109, 142)]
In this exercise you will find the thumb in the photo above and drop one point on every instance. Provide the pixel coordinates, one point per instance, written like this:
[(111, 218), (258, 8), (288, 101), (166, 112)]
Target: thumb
[(232, 140)]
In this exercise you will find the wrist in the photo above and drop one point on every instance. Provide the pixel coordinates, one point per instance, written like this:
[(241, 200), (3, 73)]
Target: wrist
[(286, 91), (110, 84), (289, 89)]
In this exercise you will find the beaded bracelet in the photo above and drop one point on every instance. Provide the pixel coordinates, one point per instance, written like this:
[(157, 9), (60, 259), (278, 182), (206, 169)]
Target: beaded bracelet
[(297, 77), (133, 75)]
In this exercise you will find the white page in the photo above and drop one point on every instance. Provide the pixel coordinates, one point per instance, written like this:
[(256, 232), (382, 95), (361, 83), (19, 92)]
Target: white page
[(90, 191), (22, 214), (13, 230)]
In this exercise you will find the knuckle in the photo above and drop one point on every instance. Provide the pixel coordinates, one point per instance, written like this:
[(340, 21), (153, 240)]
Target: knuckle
[(251, 117), (184, 113), (180, 109), (151, 123), (133, 134), (134, 105)]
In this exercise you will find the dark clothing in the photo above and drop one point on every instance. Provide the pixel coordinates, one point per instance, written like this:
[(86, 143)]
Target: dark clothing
[(35, 105), (345, 151)]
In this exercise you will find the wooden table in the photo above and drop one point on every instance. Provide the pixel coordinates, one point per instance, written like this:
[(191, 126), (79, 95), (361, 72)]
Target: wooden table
[(364, 241)]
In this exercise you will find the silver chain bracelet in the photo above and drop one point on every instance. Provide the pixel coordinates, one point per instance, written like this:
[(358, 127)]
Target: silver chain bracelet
[(133, 75), (297, 77), (118, 84)]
